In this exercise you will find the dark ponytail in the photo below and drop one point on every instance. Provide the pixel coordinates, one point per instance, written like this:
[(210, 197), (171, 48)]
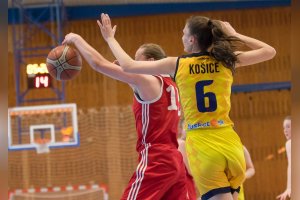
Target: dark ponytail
[(209, 33), (223, 46)]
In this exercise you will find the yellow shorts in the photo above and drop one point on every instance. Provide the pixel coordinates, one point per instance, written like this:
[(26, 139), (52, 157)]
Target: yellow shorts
[(241, 194), (216, 159)]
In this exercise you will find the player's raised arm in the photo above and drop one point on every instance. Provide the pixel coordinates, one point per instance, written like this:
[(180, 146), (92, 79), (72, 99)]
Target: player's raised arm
[(98, 62), (163, 66), (259, 52)]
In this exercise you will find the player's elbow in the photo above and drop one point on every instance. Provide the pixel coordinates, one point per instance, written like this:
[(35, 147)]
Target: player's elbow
[(270, 52), (250, 173)]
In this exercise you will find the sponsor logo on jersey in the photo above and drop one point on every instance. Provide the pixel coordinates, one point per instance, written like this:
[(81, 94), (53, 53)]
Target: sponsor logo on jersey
[(212, 123)]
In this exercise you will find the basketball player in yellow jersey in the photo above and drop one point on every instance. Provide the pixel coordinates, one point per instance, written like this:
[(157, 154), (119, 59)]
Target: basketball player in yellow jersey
[(204, 78)]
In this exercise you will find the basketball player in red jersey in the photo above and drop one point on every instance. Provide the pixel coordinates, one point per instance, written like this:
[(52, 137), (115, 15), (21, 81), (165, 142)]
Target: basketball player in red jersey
[(160, 173)]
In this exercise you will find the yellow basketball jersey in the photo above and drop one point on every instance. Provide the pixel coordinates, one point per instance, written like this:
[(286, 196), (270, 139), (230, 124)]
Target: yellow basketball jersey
[(204, 86)]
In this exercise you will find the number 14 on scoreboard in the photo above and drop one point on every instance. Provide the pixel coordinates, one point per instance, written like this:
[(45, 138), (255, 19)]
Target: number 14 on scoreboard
[(39, 81)]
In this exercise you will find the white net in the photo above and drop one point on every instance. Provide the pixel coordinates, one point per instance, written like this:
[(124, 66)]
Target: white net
[(106, 155), (42, 148)]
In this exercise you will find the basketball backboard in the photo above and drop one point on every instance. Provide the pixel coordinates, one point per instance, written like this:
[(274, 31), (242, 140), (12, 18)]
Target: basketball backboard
[(28, 125)]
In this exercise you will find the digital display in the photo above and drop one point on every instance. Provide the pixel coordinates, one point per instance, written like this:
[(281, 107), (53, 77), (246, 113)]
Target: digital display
[(39, 81), (38, 76)]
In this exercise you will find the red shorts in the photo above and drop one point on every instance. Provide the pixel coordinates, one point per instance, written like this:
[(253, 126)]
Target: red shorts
[(160, 175), (191, 188)]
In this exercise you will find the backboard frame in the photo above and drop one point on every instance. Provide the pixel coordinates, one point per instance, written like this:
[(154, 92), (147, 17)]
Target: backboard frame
[(27, 110)]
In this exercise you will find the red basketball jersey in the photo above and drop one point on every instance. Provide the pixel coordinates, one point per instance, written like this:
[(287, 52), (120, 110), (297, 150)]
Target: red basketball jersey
[(157, 120), (160, 173)]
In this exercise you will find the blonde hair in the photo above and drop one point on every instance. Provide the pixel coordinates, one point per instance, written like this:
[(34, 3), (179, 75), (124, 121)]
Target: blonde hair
[(153, 51)]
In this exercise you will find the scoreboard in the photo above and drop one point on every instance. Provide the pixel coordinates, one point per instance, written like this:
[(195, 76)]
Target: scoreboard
[(38, 76)]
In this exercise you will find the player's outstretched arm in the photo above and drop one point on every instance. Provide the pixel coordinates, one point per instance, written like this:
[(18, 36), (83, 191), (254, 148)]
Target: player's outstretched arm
[(163, 66), (260, 51), (98, 62)]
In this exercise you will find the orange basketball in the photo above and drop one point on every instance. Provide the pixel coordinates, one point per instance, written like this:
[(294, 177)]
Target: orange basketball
[(64, 63)]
